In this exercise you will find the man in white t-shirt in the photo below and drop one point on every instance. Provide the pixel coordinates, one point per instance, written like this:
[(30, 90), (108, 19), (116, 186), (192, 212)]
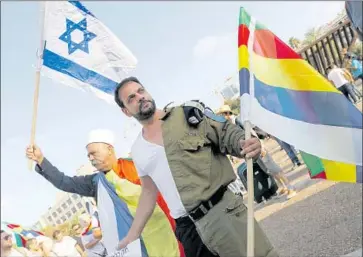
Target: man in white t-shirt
[(65, 246), (182, 152), (92, 244), (338, 78)]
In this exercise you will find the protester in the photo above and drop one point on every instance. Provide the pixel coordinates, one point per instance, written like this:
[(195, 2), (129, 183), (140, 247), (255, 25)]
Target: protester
[(91, 236), (182, 152), (338, 78), (34, 248), (356, 67), (7, 249), (290, 151), (275, 170), (119, 173), (77, 234), (66, 246)]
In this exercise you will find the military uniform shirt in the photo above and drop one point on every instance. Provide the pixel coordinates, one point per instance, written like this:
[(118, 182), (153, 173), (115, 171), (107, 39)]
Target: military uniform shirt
[(150, 160), (196, 156)]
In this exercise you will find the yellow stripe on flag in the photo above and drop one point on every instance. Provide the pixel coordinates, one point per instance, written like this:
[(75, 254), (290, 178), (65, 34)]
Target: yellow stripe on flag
[(295, 74), (339, 171), (158, 235), (243, 57)]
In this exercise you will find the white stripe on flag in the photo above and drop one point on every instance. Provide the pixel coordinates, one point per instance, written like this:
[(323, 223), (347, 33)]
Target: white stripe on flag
[(245, 104), (107, 218)]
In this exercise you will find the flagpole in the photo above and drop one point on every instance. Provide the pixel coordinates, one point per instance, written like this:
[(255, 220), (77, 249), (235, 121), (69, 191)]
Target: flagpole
[(250, 199), (248, 132), (37, 79)]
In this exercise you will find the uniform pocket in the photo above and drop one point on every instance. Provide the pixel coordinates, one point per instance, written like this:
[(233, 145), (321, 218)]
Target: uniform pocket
[(235, 206), (193, 162)]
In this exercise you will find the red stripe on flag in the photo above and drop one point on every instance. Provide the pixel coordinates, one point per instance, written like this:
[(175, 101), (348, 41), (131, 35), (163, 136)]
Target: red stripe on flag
[(266, 44), (321, 175), (284, 51), (243, 34)]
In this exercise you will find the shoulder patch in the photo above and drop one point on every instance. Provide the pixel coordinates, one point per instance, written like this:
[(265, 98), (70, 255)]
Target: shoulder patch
[(211, 115)]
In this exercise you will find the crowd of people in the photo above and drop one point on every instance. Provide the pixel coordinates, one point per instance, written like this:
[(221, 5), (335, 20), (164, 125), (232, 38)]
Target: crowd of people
[(85, 241), (343, 78)]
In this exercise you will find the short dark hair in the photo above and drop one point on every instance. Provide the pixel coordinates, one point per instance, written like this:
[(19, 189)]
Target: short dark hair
[(120, 85), (55, 233)]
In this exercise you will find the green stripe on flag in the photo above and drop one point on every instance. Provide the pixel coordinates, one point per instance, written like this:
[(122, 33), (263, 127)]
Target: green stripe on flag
[(245, 19), (314, 164)]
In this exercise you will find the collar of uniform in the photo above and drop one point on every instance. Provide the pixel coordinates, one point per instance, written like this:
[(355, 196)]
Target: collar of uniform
[(167, 111)]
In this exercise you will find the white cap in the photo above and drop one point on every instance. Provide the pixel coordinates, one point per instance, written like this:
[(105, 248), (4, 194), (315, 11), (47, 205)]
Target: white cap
[(101, 136)]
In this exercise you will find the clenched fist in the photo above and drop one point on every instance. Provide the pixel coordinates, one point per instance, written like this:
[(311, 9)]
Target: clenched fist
[(251, 148), (33, 153)]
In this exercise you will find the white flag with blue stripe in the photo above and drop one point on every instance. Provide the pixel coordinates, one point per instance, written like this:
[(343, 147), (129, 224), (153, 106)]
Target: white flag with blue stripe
[(115, 221), (82, 52)]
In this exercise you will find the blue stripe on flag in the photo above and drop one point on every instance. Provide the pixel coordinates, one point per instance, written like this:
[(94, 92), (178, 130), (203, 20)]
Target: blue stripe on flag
[(244, 81), (359, 174), (123, 217), (60, 64), (81, 7), (323, 108)]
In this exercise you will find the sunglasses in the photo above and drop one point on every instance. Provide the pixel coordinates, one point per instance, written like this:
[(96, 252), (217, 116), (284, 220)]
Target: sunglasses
[(227, 113), (7, 237)]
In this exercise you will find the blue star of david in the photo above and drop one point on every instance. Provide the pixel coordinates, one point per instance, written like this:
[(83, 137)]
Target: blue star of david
[(87, 36)]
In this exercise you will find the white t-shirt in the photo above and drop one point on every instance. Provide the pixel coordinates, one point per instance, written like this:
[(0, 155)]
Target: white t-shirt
[(337, 76), (97, 250), (66, 248), (16, 253), (150, 160)]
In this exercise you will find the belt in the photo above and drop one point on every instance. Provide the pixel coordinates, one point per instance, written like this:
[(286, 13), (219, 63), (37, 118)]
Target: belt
[(201, 210)]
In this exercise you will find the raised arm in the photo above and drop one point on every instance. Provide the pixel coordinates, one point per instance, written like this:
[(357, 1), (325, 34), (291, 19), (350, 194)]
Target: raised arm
[(82, 185)]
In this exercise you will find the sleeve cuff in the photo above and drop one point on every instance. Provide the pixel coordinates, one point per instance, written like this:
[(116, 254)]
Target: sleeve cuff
[(44, 166)]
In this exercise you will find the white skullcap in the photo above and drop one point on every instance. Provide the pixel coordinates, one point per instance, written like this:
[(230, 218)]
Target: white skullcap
[(101, 136)]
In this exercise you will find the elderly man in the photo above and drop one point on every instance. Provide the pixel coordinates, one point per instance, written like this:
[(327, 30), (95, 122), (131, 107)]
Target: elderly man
[(181, 151), (121, 174)]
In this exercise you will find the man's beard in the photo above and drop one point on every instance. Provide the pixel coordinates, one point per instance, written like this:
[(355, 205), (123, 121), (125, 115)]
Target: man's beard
[(143, 115)]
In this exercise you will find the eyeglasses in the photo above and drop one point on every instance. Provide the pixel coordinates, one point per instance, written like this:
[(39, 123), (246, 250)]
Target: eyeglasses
[(227, 113)]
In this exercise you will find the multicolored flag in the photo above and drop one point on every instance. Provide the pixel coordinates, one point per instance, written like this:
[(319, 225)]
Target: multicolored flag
[(20, 234), (121, 196), (286, 97)]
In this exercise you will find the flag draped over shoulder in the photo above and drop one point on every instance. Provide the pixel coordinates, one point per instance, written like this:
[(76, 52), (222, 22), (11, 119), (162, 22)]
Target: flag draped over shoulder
[(117, 204), (289, 99), (82, 52)]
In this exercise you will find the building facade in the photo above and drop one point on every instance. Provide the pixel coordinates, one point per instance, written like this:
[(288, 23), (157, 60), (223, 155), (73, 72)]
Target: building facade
[(67, 205), (229, 89)]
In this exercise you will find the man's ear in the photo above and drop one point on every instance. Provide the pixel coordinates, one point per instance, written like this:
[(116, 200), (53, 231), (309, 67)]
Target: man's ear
[(126, 112)]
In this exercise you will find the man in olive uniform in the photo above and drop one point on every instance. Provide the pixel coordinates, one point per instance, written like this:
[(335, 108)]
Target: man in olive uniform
[(182, 152)]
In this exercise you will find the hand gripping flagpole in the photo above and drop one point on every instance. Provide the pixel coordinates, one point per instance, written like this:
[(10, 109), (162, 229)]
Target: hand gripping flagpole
[(245, 117), (37, 79)]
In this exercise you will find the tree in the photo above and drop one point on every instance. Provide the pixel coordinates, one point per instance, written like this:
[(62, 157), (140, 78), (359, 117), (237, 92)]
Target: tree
[(312, 35), (234, 104), (357, 48), (294, 43)]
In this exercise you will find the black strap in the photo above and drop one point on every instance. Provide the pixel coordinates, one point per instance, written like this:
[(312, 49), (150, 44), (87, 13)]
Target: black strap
[(201, 210)]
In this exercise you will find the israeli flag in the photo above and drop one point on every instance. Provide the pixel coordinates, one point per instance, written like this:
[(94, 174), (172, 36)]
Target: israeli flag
[(81, 52)]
